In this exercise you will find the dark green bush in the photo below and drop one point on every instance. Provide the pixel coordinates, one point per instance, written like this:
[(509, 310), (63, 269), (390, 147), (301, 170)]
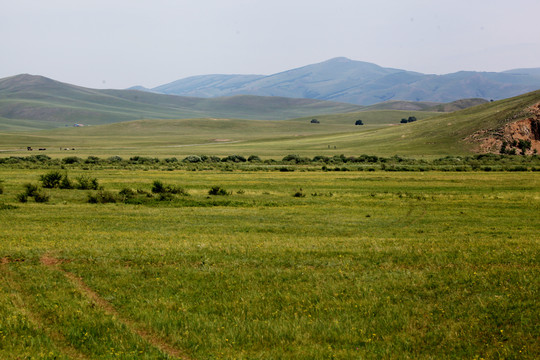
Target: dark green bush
[(127, 193), (7, 206), (102, 197), (234, 158), (143, 160), (217, 190), (51, 179), (65, 183), (192, 159), (294, 158), (31, 189), (171, 189), (87, 183), (92, 160), (40, 197), (158, 187), (71, 160), (165, 196)]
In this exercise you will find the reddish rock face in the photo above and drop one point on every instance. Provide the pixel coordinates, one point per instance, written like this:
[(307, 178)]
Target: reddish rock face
[(526, 129)]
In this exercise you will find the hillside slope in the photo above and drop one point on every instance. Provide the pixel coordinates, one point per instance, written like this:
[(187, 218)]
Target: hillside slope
[(434, 134), (50, 103), (361, 83)]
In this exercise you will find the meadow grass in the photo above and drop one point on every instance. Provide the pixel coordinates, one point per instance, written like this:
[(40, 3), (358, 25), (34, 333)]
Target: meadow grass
[(365, 265), (188, 136)]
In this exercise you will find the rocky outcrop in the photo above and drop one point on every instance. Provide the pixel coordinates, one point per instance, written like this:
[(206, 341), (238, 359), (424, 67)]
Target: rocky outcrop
[(521, 136)]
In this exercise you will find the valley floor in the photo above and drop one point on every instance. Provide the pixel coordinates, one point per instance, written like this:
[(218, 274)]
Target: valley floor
[(288, 265)]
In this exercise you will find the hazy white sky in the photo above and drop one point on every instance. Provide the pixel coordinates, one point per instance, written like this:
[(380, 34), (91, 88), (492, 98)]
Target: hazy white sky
[(121, 43)]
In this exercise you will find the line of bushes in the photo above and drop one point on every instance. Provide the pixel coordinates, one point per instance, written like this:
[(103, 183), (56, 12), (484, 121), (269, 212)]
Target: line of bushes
[(55, 179), (289, 162)]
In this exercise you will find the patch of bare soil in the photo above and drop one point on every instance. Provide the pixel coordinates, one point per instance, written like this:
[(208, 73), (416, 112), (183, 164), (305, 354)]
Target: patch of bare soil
[(49, 260), (491, 141), (106, 306)]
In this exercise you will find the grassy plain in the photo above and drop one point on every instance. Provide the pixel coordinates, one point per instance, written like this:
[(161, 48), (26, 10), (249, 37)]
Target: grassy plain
[(205, 136), (365, 265), (433, 135)]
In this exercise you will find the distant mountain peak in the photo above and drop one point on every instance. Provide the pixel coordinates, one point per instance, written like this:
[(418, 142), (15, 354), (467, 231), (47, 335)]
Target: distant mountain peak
[(339, 59), (25, 81), (357, 82)]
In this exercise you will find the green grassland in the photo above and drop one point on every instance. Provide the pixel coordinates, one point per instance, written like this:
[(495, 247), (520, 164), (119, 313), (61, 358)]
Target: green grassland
[(41, 103), (434, 134), (363, 265), (186, 136)]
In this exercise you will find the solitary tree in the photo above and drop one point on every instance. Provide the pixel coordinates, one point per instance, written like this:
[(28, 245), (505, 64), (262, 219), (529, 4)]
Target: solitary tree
[(359, 122), (315, 121), (411, 119)]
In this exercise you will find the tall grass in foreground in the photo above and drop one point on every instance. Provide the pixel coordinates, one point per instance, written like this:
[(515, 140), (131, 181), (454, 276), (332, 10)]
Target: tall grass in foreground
[(390, 265)]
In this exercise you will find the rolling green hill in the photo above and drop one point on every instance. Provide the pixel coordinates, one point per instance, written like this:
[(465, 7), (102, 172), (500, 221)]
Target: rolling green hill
[(49, 104), (433, 134)]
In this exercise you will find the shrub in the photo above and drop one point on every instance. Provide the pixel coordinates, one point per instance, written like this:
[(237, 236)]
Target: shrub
[(234, 158), (321, 158), (31, 189), (315, 121), (165, 197), (217, 190), (212, 159), (299, 194), (254, 158), (51, 179), (7, 206), (40, 197), (127, 193), (101, 197), (92, 160), (192, 159), (65, 183), (171, 189), (1, 187), (143, 160), (71, 160), (87, 183), (296, 159), (114, 159), (158, 187), (359, 122)]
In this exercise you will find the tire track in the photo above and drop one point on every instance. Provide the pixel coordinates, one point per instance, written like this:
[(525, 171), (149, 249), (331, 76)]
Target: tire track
[(147, 335), (18, 301)]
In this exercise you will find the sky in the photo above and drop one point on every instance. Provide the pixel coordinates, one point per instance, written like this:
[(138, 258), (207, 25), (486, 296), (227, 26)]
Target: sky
[(122, 43)]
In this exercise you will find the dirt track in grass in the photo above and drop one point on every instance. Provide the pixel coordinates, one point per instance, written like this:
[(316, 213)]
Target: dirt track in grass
[(146, 334)]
